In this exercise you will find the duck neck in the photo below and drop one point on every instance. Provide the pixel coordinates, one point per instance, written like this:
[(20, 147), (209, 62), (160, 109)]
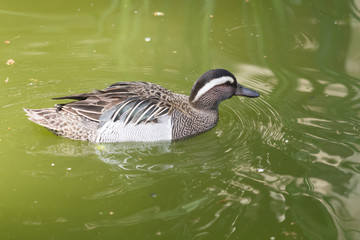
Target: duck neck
[(206, 104)]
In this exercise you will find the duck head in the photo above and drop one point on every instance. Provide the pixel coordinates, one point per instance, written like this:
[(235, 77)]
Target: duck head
[(215, 86)]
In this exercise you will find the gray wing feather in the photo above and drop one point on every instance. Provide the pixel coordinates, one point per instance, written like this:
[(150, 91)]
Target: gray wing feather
[(135, 111), (130, 102)]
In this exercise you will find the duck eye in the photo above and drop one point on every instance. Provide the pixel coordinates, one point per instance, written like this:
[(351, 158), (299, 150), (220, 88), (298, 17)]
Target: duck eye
[(228, 83)]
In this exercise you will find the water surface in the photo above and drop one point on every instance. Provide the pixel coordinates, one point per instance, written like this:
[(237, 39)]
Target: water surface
[(282, 166)]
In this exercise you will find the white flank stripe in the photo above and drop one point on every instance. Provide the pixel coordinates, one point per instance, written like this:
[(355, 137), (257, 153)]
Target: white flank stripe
[(211, 84), (120, 132)]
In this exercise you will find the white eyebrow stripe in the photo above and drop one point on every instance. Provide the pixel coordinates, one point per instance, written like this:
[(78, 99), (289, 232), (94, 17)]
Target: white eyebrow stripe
[(211, 84)]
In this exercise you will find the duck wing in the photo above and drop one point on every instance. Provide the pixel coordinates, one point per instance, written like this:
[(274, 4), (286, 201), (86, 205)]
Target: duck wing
[(135, 102)]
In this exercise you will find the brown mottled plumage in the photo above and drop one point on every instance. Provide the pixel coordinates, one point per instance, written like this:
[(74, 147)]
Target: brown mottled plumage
[(140, 111)]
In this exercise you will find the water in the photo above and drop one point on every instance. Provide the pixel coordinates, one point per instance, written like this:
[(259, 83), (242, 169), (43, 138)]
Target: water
[(282, 166)]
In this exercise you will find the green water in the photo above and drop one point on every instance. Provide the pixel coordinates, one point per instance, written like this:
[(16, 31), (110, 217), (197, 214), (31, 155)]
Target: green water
[(282, 166)]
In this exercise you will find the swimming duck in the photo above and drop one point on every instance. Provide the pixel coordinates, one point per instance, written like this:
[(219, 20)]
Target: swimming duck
[(141, 111)]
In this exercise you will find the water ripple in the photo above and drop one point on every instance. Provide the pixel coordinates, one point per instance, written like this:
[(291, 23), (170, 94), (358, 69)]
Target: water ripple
[(303, 40), (150, 214)]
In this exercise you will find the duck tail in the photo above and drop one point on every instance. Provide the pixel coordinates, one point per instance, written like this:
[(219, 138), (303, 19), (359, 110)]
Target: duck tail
[(43, 117), (63, 123)]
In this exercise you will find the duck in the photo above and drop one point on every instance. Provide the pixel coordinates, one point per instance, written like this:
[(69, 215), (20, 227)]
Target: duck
[(141, 111)]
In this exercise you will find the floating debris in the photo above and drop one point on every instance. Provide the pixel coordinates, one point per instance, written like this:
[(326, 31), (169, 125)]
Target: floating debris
[(8, 41), (159, 14), (10, 62), (260, 170), (6, 80), (33, 80), (224, 200), (147, 39)]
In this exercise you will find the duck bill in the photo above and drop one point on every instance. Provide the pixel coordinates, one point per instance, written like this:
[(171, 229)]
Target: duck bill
[(246, 92)]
